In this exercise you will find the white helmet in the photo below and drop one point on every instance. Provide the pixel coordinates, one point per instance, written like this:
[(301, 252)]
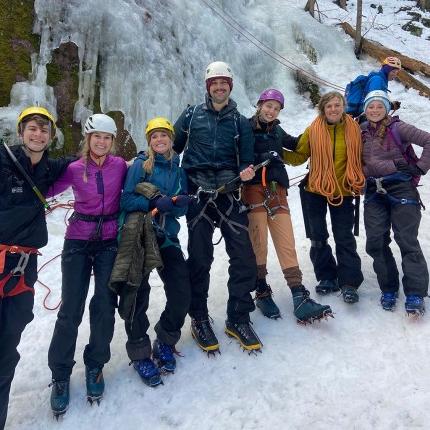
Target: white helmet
[(218, 69), (100, 122)]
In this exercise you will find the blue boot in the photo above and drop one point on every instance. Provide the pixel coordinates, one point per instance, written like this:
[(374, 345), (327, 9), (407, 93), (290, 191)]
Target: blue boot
[(95, 384), (414, 305), (327, 286), (388, 301), (163, 355), (60, 397), (264, 301), (148, 371)]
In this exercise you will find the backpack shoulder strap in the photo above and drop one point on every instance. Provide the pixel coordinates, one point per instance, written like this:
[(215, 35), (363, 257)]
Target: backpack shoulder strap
[(189, 118), (236, 120)]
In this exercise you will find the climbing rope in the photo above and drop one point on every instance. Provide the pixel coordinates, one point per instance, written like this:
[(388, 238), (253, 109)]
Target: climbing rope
[(54, 204), (229, 20), (322, 174)]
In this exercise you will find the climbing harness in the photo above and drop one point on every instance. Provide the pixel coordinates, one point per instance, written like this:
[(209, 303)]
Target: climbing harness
[(18, 270), (382, 193)]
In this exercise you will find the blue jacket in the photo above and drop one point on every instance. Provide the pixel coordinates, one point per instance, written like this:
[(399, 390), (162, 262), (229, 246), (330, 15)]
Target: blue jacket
[(170, 180), (377, 81), (211, 139)]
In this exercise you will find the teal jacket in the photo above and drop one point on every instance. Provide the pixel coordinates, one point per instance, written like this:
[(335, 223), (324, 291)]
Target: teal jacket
[(170, 180)]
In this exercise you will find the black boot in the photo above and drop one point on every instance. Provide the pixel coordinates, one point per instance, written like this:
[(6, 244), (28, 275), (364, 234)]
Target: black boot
[(327, 286), (305, 309), (204, 335), (244, 333), (350, 294), (264, 301)]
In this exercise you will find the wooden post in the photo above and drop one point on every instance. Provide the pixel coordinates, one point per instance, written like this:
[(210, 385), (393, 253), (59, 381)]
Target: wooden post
[(357, 47)]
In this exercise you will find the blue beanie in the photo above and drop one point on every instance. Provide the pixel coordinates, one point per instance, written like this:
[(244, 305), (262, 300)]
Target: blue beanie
[(377, 95)]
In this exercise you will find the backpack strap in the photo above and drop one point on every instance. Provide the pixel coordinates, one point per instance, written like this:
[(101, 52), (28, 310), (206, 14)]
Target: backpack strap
[(408, 152), (236, 120), (188, 120)]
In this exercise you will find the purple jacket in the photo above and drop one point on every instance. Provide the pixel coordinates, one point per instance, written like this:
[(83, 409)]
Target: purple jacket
[(100, 195), (379, 155)]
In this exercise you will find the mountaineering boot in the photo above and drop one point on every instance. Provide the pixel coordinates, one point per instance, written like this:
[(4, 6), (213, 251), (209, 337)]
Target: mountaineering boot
[(148, 371), (264, 301), (204, 335), (350, 294), (414, 305), (305, 309), (244, 333), (388, 301), (60, 397), (327, 286), (95, 384), (163, 356)]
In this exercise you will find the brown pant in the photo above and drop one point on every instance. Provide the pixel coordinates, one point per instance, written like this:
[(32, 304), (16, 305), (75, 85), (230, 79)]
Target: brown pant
[(281, 228)]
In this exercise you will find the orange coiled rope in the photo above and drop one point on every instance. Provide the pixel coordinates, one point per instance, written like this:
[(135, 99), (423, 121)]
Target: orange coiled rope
[(322, 174)]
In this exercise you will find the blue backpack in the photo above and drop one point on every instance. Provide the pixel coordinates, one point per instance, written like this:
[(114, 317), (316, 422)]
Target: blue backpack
[(354, 94)]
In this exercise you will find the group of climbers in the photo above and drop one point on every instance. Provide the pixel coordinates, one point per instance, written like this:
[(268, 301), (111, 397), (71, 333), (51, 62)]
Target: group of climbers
[(125, 224)]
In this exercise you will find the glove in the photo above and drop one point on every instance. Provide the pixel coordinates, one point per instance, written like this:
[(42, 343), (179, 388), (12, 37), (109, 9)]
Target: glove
[(164, 204), (395, 105), (182, 200), (153, 202), (409, 169)]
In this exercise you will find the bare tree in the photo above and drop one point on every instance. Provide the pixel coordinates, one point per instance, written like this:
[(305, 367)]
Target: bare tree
[(341, 3), (424, 4), (357, 47), (310, 7)]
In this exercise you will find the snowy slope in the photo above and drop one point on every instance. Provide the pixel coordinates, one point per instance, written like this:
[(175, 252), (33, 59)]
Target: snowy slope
[(365, 369)]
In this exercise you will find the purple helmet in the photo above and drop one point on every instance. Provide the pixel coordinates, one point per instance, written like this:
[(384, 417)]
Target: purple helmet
[(271, 94)]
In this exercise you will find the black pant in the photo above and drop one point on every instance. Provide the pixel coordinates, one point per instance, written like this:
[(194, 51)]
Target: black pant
[(15, 313), (380, 215), (242, 264), (175, 277), (78, 259), (348, 267)]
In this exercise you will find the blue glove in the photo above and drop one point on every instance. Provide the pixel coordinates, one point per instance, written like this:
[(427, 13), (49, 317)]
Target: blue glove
[(165, 204), (182, 200)]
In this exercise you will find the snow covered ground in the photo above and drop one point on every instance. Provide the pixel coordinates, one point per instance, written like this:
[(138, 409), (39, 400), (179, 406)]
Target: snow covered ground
[(365, 369)]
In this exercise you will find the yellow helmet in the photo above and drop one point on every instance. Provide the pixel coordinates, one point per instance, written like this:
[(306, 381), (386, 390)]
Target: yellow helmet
[(159, 123), (393, 62), (36, 110)]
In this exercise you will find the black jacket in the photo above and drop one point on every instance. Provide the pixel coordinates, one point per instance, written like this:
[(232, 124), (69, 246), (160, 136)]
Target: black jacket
[(22, 215), (271, 137), (212, 146)]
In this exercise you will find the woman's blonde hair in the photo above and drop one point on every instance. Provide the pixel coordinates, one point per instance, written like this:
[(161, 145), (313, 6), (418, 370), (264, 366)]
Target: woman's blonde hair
[(85, 152), (148, 164), (326, 98)]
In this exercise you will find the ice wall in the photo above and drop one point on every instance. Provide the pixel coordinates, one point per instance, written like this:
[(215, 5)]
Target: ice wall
[(151, 55)]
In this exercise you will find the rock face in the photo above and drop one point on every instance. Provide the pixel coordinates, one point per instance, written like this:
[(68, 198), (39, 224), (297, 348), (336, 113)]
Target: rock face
[(62, 75), (17, 43)]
